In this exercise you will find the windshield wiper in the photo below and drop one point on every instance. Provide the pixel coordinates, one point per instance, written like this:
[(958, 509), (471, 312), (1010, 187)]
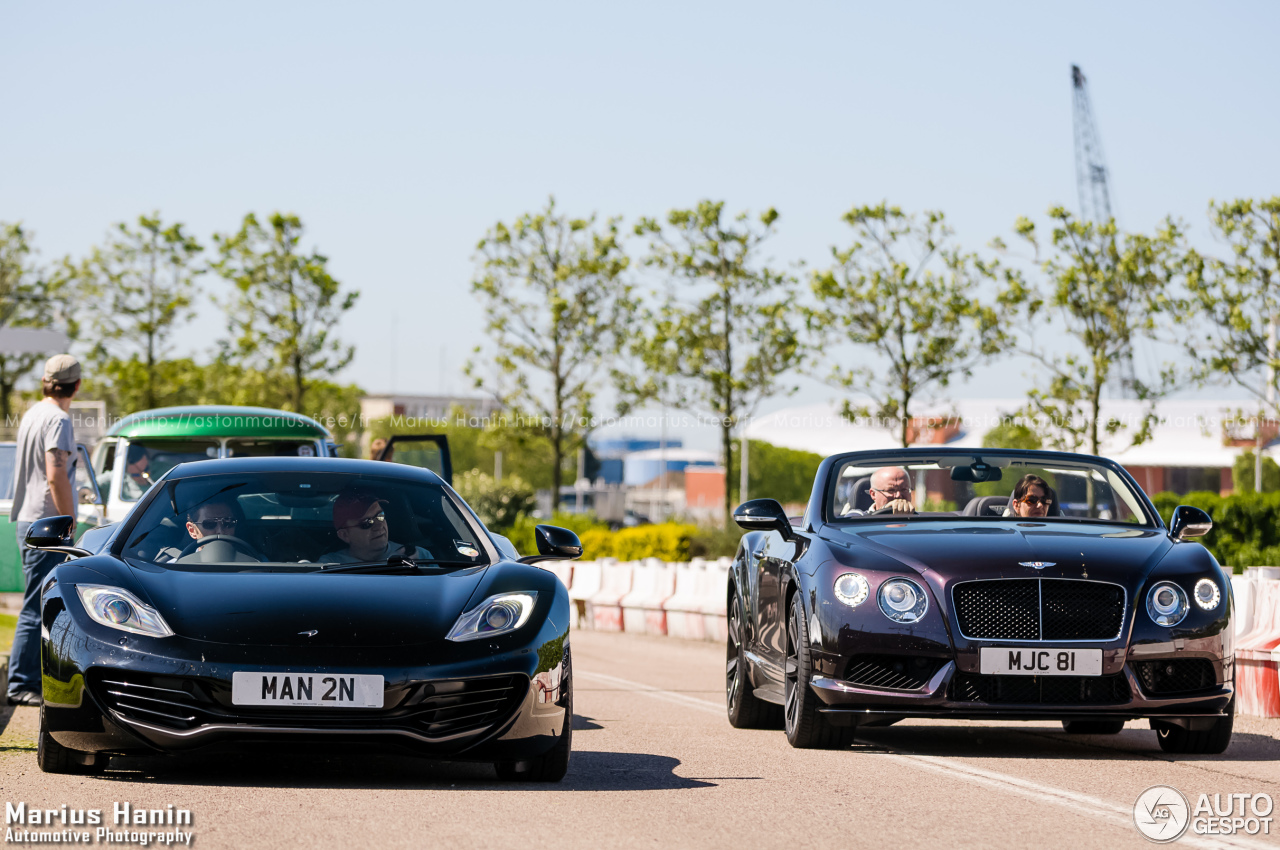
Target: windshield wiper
[(394, 562)]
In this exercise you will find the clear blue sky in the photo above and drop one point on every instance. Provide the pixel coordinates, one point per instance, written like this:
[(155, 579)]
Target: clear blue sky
[(401, 131)]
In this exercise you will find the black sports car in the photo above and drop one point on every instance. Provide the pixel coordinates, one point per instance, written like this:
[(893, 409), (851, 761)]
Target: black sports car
[(311, 602), (974, 583)]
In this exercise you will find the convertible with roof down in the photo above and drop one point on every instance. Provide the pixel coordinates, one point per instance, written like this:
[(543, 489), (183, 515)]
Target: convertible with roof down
[(312, 603), (978, 583)]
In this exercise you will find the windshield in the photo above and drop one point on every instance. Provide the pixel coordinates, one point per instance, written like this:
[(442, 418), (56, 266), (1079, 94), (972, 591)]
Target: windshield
[(146, 460), (298, 520), (984, 487)]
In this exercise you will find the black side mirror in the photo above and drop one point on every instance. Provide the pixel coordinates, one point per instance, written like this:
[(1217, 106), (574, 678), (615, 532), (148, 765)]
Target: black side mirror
[(1188, 522), (55, 534), (554, 544), (763, 515)]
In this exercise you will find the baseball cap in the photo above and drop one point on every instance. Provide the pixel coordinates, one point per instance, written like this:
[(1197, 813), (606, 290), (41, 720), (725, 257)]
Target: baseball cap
[(62, 369), (351, 505)]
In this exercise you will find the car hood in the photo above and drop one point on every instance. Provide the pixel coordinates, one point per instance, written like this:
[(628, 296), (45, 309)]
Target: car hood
[(352, 610), (999, 549)]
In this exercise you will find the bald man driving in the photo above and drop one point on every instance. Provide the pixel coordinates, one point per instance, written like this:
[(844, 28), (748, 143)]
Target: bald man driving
[(890, 488)]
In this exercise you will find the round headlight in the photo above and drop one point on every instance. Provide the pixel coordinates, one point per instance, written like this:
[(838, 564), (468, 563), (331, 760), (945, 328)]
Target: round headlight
[(497, 617), (902, 600), (852, 589), (118, 611), (1207, 594), (1167, 604)]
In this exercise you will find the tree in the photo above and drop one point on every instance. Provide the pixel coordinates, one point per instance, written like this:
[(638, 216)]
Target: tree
[(903, 291), (557, 307), (286, 308), (1011, 434), (29, 298), (1234, 304), (138, 288), (723, 340), (1101, 291)]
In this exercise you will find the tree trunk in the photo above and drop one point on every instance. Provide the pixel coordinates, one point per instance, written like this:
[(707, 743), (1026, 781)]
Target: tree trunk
[(726, 442)]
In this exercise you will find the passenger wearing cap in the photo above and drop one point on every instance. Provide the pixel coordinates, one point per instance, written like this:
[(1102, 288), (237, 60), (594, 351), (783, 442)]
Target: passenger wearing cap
[(361, 523), (43, 487)]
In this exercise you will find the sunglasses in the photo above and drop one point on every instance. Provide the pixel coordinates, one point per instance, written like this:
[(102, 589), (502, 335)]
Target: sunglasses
[(211, 524), (1036, 501), (892, 494), (369, 521)]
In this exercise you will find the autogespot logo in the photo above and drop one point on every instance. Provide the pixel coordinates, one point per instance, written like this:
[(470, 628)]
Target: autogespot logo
[(1161, 813)]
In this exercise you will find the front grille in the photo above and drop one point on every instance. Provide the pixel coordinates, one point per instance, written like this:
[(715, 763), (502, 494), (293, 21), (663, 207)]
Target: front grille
[(1175, 675), (439, 710), (1041, 690), (1039, 609), (895, 672)]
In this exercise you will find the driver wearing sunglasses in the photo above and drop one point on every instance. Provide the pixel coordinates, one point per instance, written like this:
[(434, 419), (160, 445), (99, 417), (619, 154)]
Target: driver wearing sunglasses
[(361, 523), (216, 517), (1032, 497)]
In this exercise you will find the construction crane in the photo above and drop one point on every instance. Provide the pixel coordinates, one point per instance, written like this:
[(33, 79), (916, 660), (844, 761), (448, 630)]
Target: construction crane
[(1091, 171)]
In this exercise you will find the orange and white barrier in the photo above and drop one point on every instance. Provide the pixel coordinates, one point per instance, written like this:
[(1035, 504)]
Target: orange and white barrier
[(585, 584), (1257, 683), (604, 608), (653, 585)]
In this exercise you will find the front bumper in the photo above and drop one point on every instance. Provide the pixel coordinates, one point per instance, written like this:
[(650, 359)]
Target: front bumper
[(483, 701)]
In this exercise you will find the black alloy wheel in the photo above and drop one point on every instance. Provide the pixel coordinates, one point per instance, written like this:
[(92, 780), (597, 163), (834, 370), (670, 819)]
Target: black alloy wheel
[(746, 710), (1092, 727), (806, 727), (1176, 739), (553, 765), (52, 757)]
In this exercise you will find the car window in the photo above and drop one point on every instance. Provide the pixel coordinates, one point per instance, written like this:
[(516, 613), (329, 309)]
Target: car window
[(271, 448), (145, 460), (300, 520)]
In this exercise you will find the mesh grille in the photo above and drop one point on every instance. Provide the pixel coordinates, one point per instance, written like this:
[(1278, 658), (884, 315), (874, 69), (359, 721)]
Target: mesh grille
[(1018, 609), (1041, 690), (1175, 675), (436, 709), (895, 672)]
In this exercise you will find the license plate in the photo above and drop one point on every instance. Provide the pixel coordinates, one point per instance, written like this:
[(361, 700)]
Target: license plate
[(322, 690), (1020, 661)]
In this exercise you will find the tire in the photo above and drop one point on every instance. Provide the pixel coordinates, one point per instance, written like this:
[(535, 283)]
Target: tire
[(551, 766), (806, 728), (1175, 739), (52, 757), (1092, 727), (746, 710)]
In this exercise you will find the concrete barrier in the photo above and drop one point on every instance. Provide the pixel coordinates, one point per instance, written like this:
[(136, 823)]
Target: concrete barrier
[(586, 583), (1257, 685), (684, 608), (653, 585), (714, 599), (604, 608)]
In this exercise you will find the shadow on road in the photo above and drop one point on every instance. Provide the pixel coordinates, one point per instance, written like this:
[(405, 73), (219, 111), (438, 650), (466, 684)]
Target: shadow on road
[(1042, 743), (588, 771)]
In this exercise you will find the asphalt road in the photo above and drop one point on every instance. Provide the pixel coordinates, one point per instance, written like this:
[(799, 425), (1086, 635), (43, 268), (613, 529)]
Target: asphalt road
[(656, 764)]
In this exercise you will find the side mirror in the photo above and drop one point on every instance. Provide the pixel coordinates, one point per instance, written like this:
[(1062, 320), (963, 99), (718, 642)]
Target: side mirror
[(1188, 522), (554, 544), (55, 534), (763, 515)]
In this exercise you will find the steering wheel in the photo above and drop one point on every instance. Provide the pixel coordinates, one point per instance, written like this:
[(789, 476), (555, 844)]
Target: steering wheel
[(887, 509), (229, 538)]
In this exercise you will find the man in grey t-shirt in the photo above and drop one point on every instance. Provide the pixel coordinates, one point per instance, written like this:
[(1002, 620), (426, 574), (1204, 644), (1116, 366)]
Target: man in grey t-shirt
[(43, 488)]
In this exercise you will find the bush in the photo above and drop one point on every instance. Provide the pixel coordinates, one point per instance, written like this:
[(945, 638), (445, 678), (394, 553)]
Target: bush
[(497, 504), (715, 542), (1246, 526)]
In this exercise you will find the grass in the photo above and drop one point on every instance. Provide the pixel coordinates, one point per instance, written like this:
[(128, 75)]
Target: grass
[(8, 622)]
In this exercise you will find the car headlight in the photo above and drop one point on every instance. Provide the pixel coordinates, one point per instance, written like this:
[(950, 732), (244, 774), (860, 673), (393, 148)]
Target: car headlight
[(852, 589), (902, 600), (1167, 604), (495, 616), (120, 609), (1207, 594)]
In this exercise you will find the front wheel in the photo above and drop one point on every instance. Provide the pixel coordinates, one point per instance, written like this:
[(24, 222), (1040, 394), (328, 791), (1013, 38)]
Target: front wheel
[(553, 765), (806, 727), (52, 757), (746, 710), (1176, 739)]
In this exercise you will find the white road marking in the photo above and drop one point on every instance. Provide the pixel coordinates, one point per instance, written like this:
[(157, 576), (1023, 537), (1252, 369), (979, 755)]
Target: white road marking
[(1072, 800)]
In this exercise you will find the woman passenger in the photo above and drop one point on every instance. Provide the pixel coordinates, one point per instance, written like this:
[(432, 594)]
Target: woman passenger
[(1032, 497)]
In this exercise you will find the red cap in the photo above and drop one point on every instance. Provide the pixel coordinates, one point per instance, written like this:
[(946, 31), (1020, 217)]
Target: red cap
[(351, 505)]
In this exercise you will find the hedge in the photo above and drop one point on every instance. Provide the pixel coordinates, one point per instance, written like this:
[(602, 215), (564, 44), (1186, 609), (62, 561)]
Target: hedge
[(669, 541), (1246, 526)]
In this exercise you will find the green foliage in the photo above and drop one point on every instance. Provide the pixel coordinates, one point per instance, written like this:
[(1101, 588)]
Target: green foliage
[(1244, 474), (556, 306), (714, 542), (1102, 290), (776, 473), (28, 299), (723, 343), (1011, 434), (136, 290), (287, 306), (497, 504), (521, 532), (1246, 527), (905, 294), (1233, 300)]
